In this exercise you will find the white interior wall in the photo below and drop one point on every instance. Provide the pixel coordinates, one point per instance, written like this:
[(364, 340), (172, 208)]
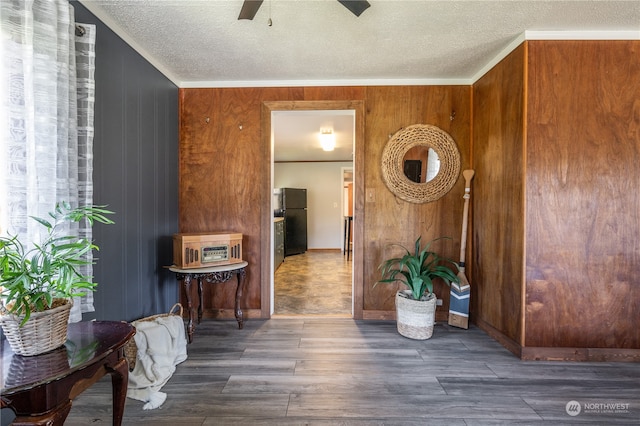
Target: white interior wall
[(323, 182)]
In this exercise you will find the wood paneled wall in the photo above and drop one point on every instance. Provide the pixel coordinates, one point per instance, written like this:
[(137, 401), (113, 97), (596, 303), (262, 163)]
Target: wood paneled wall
[(223, 167), (497, 196), (583, 166), (224, 170), (556, 207), (389, 219)]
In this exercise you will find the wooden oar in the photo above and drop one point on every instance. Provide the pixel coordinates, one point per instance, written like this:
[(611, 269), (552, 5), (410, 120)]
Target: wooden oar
[(468, 175), (459, 300)]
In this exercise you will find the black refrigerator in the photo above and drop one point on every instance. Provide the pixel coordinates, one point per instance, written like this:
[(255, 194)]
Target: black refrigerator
[(291, 203)]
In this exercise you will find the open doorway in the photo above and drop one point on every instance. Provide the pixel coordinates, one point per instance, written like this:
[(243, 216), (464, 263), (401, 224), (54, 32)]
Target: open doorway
[(266, 184), (317, 279)]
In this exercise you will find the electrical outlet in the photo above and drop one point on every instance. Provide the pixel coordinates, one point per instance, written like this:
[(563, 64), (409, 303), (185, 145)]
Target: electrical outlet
[(371, 195), (438, 302)]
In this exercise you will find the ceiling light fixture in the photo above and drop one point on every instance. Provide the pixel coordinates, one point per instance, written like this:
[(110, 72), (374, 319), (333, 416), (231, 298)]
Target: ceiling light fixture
[(327, 139)]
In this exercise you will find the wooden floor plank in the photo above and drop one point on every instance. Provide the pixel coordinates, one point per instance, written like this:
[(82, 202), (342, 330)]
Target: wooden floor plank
[(567, 370), (410, 406), (219, 367), (367, 384), (328, 421), (536, 387), (328, 353), (394, 368)]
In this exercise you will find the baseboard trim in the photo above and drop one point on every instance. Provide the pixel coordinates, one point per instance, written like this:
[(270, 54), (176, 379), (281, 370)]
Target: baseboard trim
[(534, 353), (311, 316), (511, 345), (228, 313), (378, 315)]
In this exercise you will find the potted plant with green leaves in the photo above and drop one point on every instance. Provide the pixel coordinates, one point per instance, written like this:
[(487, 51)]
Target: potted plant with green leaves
[(38, 281), (416, 305)]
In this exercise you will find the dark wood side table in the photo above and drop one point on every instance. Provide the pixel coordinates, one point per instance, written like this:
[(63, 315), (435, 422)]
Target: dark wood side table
[(40, 388), (211, 274)]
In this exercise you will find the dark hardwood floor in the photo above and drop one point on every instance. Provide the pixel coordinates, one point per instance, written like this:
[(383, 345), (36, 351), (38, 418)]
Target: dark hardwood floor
[(337, 371), (300, 368)]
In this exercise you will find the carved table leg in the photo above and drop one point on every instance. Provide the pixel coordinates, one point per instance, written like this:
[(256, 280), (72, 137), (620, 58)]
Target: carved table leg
[(239, 315), (200, 299), (119, 383), (187, 289)]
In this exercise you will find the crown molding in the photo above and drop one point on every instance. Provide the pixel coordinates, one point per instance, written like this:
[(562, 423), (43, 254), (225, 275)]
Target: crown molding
[(582, 35), (554, 35), (320, 83)]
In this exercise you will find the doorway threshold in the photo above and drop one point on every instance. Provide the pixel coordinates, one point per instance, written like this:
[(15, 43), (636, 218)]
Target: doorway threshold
[(314, 316)]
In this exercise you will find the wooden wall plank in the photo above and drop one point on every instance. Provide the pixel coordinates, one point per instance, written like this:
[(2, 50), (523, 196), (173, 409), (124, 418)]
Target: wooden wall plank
[(583, 255), (498, 197)]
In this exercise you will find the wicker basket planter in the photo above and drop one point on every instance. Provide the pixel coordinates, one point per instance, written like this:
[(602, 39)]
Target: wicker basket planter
[(415, 318), (43, 332)]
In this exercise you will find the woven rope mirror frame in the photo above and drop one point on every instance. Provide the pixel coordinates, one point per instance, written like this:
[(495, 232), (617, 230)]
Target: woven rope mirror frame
[(393, 167)]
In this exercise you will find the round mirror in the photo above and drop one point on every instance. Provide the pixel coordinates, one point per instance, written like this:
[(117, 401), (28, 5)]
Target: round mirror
[(420, 163)]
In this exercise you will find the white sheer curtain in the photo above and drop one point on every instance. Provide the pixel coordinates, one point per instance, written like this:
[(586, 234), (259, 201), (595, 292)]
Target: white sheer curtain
[(47, 116)]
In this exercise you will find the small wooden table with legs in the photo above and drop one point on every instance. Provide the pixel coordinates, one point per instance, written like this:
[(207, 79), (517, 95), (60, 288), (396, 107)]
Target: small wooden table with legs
[(211, 274), (40, 388)]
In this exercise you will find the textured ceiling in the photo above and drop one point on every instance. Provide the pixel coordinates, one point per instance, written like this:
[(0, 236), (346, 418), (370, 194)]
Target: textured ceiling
[(199, 43)]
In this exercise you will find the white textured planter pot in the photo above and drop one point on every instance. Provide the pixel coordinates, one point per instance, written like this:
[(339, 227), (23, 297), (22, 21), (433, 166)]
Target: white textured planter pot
[(415, 318)]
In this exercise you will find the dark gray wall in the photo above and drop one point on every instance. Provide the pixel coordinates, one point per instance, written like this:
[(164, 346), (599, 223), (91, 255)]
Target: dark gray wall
[(136, 175)]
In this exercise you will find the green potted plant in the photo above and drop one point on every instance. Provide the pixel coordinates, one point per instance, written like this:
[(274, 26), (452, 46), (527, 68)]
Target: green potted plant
[(416, 306), (37, 284)]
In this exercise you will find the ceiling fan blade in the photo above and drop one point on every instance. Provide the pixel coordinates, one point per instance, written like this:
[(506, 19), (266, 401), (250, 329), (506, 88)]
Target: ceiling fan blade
[(355, 6), (249, 9)]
